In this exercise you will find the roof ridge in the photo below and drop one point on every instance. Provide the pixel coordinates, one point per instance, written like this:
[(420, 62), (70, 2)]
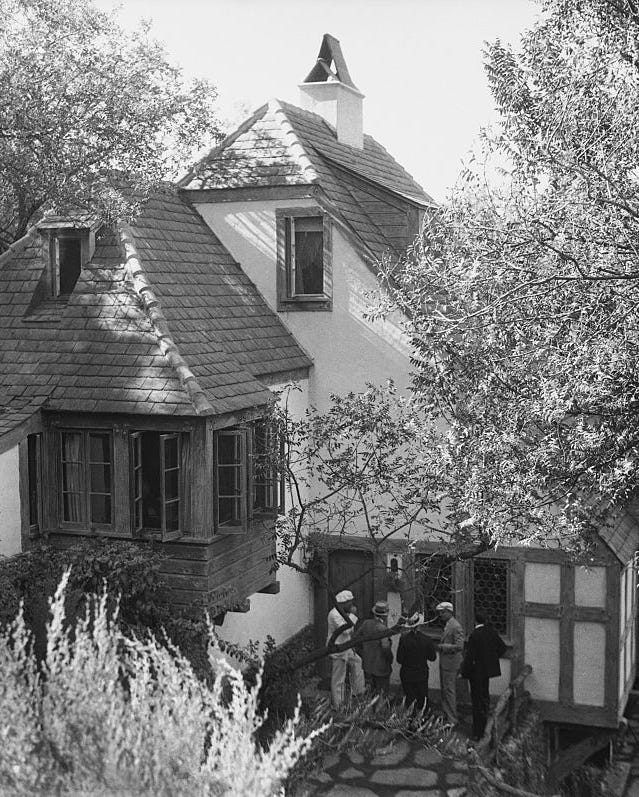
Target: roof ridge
[(151, 303), (295, 146)]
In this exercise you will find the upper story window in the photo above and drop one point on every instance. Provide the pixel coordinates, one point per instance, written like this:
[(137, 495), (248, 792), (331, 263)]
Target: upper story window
[(304, 259), (69, 244), (86, 478), (65, 253)]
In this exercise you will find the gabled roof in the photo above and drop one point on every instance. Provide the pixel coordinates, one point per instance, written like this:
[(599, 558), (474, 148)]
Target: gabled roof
[(283, 145), (621, 531), (161, 321)]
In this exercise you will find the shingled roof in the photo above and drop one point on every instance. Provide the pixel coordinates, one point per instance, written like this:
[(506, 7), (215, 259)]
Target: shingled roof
[(283, 145), (161, 321)]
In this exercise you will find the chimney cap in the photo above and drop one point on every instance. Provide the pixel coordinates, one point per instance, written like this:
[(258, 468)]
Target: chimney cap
[(330, 54)]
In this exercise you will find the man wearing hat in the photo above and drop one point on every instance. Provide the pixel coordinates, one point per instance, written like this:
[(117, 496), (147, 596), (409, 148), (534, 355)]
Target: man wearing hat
[(345, 661), (450, 650), (377, 654), (414, 652)]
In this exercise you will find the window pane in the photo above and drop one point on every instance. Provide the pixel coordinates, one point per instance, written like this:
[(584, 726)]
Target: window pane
[(229, 448), (309, 256), (170, 452), (100, 508), (229, 480), (71, 447), (490, 591), (229, 511), (33, 450), (101, 478), (72, 507), (172, 516), (171, 484), (69, 262), (99, 448), (71, 478)]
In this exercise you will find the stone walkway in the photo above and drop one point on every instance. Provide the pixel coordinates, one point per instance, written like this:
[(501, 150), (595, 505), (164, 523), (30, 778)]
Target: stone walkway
[(398, 770)]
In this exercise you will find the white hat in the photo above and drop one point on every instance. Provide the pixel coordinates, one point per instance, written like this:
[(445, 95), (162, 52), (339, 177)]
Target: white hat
[(344, 596), (414, 620), (444, 606)]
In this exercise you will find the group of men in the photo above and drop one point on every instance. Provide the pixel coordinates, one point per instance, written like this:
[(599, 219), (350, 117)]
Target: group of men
[(368, 658)]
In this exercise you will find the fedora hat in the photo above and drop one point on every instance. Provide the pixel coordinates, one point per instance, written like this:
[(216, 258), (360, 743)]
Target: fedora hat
[(380, 609), (444, 606), (344, 596)]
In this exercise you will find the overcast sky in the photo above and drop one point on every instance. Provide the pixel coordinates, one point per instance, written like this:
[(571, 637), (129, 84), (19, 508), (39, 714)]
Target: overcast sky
[(418, 62)]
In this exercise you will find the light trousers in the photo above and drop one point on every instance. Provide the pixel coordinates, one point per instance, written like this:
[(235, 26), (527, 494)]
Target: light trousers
[(448, 686), (342, 666)]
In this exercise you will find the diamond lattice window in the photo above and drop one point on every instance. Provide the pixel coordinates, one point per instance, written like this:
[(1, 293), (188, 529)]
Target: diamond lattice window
[(490, 591)]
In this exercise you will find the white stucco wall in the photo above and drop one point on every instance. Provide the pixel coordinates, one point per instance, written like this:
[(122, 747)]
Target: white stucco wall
[(348, 351), (281, 615), (10, 531)]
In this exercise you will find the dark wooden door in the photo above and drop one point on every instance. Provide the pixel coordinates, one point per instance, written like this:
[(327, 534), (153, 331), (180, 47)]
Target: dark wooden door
[(347, 569)]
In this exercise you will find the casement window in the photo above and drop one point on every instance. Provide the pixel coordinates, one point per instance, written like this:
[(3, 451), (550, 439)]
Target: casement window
[(245, 476), (157, 482), (265, 482), (491, 591), (68, 250), (304, 259), (480, 584), (86, 479), (435, 576)]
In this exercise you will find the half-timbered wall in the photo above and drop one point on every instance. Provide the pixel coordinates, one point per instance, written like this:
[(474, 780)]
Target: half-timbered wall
[(627, 631)]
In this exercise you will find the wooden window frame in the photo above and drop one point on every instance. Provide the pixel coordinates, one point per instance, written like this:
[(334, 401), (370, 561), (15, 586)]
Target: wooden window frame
[(272, 480), (34, 469), (285, 234), (85, 485), (241, 433), (136, 475)]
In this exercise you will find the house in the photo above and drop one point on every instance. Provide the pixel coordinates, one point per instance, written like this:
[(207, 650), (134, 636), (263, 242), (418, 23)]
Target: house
[(308, 204), (136, 364), (135, 368)]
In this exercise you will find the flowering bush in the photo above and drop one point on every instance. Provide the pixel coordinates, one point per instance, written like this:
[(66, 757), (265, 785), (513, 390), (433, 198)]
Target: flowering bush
[(110, 713)]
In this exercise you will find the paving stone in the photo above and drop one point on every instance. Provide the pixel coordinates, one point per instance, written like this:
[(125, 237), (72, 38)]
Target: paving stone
[(392, 755), (354, 757), (321, 777), (455, 778), (456, 792), (420, 793), (407, 776), (331, 760), (633, 788), (344, 790), (427, 758), (460, 766), (350, 773)]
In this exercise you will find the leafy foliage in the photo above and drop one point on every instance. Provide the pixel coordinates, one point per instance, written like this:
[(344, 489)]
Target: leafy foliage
[(82, 103), (116, 714), (522, 293)]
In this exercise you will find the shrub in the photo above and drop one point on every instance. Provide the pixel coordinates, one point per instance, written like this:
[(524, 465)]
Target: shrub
[(115, 714)]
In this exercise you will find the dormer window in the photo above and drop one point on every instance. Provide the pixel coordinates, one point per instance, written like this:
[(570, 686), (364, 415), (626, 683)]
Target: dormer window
[(304, 259), (68, 251)]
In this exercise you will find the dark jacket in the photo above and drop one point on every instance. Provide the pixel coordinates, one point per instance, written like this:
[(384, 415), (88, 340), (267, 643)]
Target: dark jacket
[(413, 653), (483, 651), (377, 655)]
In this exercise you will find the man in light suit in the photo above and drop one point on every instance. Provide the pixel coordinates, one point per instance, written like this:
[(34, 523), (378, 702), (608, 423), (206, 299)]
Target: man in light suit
[(450, 650), (484, 649)]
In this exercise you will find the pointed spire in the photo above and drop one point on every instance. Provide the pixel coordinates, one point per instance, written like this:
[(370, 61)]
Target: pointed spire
[(330, 64)]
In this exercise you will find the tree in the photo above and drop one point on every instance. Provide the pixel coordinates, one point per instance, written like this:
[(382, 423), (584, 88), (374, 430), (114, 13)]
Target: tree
[(522, 293), (85, 106), (367, 466)]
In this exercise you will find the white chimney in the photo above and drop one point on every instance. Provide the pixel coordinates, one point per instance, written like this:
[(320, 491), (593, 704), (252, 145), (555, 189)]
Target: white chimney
[(329, 91)]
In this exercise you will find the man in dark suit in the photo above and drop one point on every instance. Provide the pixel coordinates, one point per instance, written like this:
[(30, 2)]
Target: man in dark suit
[(481, 663)]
